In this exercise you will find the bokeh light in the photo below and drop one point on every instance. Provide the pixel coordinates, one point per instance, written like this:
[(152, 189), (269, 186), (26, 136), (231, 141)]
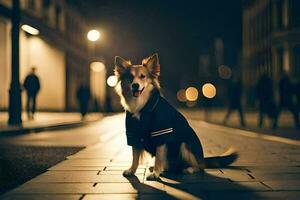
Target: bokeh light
[(209, 90), (29, 29), (93, 35), (97, 66), (112, 81), (181, 95), (224, 72), (191, 94)]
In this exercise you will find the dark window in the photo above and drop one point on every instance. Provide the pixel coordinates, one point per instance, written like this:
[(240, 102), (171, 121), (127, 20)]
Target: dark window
[(294, 14), (46, 4), (31, 4), (57, 16)]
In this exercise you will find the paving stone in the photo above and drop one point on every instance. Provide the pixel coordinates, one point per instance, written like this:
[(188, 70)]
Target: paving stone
[(111, 197), (40, 197), (236, 175), (195, 178), (274, 169), (116, 188), (133, 187), (68, 177), (284, 185), (83, 163), (117, 178), (74, 168), (56, 188), (274, 195), (120, 172), (226, 186), (118, 168), (164, 196), (276, 176), (179, 193)]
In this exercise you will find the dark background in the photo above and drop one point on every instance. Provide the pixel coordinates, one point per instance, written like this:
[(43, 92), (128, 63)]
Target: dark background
[(178, 30)]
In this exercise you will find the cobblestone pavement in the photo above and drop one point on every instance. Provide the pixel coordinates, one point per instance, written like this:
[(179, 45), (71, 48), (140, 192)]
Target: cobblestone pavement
[(268, 168)]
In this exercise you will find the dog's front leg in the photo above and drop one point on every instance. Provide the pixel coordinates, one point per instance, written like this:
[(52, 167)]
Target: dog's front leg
[(159, 164), (135, 162)]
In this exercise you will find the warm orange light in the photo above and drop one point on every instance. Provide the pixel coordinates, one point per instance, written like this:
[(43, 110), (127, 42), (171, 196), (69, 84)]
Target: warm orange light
[(209, 90), (29, 29), (112, 81), (191, 94), (224, 72), (93, 35), (97, 66), (181, 95)]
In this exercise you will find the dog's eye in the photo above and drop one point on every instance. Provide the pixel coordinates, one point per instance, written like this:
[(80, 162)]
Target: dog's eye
[(142, 76)]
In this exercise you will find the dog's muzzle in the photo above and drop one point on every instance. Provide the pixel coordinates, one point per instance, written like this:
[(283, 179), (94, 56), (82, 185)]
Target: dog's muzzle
[(135, 90)]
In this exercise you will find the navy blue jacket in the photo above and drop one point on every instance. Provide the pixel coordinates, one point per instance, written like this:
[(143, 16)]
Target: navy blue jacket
[(160, 123)]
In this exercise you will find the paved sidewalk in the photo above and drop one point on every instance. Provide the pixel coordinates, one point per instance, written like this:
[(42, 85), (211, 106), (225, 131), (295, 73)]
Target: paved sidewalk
[(44, 120), (285, 128), (265, 170)]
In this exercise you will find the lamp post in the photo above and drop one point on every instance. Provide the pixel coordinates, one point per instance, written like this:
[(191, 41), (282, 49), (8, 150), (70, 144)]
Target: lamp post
[(15, 106)]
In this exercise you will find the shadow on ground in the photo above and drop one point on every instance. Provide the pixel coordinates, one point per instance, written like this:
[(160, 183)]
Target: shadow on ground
[(205, 185)]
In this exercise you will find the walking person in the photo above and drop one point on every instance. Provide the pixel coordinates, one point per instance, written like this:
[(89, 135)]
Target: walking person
[(83, 97), (265, 97), (32, 87), (235, 96), (286, 90), (297, 94)]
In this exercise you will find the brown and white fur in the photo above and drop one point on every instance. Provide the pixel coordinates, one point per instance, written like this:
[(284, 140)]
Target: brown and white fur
[(135, 83)]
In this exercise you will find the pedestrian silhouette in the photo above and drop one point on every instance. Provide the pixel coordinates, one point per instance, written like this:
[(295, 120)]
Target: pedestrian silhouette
[(286, 90), (265, 97), (32, 87), (234, 97), (297, 94), (83, 97)]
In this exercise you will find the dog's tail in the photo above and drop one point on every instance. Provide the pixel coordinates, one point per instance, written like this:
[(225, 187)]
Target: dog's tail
[(221, 161)]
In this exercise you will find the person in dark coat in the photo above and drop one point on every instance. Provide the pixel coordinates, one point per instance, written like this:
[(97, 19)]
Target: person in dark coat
[(32, 87), (286, 91), (265, 97), (297, 94), (83, 97), (235, 96)]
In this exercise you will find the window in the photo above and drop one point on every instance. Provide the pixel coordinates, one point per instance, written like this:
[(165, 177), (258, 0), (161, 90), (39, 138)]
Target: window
[(31, 4)]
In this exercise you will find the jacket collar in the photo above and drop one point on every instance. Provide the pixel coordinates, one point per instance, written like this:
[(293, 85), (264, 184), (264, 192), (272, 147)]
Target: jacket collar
[(152, 102)]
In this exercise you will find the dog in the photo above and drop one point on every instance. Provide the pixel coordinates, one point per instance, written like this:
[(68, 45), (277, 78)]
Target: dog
[(154, 126)]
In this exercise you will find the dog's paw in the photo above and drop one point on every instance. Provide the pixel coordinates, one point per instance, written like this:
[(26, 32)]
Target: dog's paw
[(128, 173), (153, 177)]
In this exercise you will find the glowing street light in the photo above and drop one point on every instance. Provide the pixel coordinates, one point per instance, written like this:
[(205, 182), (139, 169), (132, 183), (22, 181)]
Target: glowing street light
[(112, 81), (93, 35), (97, 66), (209, 90), (30, 29), (181, 95), (191, 94)]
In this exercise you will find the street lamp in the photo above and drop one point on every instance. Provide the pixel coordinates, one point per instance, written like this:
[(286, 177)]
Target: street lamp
[(93, 35), (15, 108)]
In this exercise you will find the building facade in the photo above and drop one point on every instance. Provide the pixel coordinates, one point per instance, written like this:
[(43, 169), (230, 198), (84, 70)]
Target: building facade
[(59, 51), (271, 41)]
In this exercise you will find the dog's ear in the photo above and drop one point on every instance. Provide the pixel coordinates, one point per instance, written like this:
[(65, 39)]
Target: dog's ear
[(152, 63), (121, 65)]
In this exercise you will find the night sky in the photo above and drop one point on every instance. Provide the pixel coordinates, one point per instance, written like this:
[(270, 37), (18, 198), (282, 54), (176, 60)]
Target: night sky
[(178, 30)]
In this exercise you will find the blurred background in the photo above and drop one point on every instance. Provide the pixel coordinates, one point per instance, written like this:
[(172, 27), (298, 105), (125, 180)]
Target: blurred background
[(202, 45)]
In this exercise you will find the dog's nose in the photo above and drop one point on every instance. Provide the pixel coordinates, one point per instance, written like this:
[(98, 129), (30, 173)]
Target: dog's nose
[(135, 86)]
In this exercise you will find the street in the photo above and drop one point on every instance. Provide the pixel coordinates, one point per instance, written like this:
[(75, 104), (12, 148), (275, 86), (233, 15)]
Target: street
[(268, 167)]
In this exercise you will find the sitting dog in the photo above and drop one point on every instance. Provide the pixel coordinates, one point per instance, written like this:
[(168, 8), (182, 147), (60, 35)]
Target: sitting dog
[(155, 126)]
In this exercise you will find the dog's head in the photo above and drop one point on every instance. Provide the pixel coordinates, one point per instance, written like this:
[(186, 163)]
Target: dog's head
[(136, 79)]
